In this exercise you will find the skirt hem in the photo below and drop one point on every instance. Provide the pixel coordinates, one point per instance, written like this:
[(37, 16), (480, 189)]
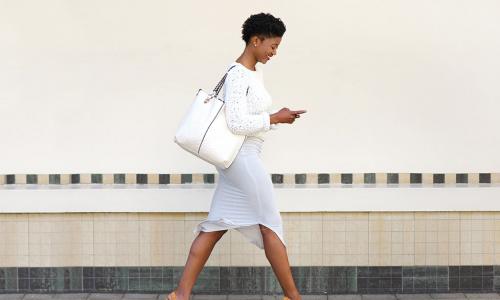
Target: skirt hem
[(250, 231)]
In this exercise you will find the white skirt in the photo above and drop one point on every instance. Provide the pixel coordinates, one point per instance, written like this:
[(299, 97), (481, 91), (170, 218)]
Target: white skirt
[(244, 197)]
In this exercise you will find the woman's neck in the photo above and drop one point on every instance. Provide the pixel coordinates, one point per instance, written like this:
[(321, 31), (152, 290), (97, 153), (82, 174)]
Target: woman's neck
[(247, 62)]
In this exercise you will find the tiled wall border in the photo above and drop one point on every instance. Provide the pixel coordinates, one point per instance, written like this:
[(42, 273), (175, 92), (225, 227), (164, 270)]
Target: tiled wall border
[(255, 280), (277, 178)]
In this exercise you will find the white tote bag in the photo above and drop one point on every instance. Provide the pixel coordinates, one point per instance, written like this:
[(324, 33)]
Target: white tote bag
[(203, 130)]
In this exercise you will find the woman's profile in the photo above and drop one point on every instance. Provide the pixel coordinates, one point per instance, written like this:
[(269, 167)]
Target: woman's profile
[(244, 195)]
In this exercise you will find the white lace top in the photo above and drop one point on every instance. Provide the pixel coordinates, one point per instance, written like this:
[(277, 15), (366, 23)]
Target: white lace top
[(247, 114)]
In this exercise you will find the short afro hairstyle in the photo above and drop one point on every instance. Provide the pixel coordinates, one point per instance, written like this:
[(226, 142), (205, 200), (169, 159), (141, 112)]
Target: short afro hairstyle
[(263, 25)]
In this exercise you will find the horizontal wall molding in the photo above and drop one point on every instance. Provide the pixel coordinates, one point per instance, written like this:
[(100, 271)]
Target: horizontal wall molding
[(277, 178), (296, 198)]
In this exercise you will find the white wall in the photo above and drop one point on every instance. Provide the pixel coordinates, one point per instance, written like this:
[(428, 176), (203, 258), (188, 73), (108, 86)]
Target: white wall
[(288, 199), (390, 86)]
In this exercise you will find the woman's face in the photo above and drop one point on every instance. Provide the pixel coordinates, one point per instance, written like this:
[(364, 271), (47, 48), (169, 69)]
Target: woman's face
[(266, 48)]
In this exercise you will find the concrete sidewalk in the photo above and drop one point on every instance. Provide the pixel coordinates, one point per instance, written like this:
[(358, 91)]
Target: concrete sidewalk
[(103, 296)]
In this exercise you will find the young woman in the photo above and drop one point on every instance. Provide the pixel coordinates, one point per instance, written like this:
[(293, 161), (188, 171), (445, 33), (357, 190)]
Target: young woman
[(244, 196)]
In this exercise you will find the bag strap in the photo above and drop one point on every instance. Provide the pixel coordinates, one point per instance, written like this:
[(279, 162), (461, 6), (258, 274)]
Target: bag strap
[(219, 85)]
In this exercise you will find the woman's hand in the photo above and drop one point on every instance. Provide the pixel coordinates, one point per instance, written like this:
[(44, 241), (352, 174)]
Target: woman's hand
[(286, 115)]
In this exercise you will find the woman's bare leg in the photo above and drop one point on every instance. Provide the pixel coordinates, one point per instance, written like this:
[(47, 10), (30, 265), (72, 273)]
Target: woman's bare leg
[(200, 250), (277, 256)]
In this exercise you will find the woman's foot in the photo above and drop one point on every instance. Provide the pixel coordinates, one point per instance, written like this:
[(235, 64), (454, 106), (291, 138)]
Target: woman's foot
[(174, 295), (171, 296)]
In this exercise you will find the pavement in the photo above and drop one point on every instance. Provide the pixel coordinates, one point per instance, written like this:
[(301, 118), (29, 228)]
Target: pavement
[(118, 296)]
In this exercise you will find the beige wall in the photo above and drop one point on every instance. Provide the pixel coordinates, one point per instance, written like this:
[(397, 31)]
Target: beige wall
[(314, 239), (93, 86)]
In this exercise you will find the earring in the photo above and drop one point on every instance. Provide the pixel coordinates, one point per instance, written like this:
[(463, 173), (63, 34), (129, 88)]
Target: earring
[(255, 45)]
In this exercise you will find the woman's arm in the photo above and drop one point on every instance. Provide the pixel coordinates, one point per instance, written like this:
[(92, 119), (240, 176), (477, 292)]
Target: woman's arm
[(238, 119)]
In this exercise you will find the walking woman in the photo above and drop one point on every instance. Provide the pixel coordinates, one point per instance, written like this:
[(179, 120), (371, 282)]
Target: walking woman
[(244, 196)]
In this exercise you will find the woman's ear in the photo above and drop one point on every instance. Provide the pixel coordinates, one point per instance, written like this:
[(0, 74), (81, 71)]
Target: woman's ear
[(255, 41)]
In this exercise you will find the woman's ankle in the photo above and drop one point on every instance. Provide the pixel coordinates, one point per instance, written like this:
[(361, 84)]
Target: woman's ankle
[(294, 296), (181, 294)]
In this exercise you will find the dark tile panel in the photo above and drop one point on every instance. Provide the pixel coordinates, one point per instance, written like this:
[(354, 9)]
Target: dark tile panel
[(10, 179), (277, 178), (186, 178), (300, 178), (141, 178), (346, 178), (438, 178), (31, 179), (370, 178), (484, 178), (164, 178), (461, 178), (392, 178), (323, 178), (209, 178), (75, 178), (96, 178), (416, 178), (54, 179), (119, 178)]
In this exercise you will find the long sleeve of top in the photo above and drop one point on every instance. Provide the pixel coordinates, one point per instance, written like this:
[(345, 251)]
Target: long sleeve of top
[(247, 114)]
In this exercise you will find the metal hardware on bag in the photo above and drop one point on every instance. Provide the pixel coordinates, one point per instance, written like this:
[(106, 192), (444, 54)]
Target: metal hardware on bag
[(210, 96), (217, 88)]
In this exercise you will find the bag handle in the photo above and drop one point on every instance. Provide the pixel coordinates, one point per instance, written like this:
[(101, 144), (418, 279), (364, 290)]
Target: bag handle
[(219, 85), (221, 82)]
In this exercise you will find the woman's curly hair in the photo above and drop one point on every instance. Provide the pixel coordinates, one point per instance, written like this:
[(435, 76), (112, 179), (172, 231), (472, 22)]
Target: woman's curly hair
[(263, 25)]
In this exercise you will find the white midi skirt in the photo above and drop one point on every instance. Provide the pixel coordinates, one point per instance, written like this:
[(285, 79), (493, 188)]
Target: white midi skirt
[(244, 197)]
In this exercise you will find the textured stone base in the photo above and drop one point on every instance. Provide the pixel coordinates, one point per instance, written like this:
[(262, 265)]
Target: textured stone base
[(310, 280)]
